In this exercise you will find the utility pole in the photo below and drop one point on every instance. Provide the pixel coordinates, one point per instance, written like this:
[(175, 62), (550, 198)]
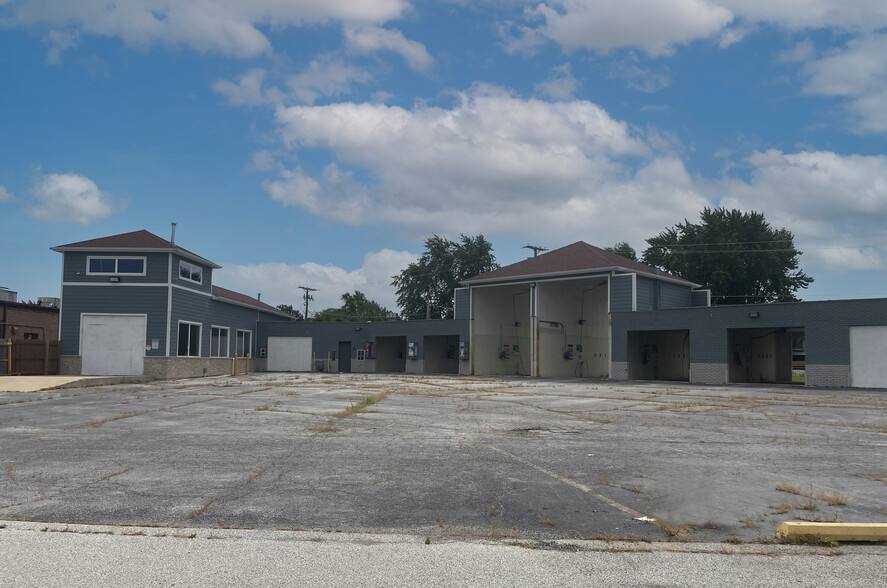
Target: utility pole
[(536, 249), (307, 296)]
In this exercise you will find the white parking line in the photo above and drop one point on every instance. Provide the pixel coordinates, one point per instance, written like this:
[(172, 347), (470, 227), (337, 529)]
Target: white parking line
[(574, 484)]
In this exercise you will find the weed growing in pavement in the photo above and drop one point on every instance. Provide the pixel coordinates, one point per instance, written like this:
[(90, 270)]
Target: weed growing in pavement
[(548, 522), (361, 406), (790, 488), (830, 498)]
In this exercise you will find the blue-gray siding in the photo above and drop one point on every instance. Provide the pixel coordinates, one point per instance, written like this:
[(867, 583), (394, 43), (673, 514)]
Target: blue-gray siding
[(74, 267), (150, 300), (699, 298), (646, 293), (208, 312), (673, 295), (205, 286), (462, 300), (621, 293), (826, 326)]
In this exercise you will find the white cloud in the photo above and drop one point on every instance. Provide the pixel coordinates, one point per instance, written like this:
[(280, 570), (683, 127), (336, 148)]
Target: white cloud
[(229, 27), (246, 91), (857, 72), (833, 203), (326, 76), (492, 163), (59, 42), (638, 78), (798, 15), (561, 85), (655, 26), (800, 53), (369, 39), (281, 281), (6, 195), (70, 198)]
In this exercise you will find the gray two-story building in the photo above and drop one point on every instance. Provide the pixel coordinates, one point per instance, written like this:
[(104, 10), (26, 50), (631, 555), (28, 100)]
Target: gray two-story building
[(137, 304)]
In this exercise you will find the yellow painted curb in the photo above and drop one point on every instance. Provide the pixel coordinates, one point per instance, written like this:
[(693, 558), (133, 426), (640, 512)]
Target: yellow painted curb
[(800, 531)]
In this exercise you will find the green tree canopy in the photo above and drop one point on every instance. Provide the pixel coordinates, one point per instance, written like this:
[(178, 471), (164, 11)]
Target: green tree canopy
[(624, 249), (739, 256), (355, 308), (288, 308), (441, 267)]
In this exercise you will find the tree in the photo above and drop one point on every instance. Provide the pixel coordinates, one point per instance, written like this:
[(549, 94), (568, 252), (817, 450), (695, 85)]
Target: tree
[(355, 308), (624, 249), (736, 255), (432, 279), (288, 308)]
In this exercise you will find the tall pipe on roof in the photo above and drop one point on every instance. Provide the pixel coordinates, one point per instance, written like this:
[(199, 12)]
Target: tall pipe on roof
[(172, 237)]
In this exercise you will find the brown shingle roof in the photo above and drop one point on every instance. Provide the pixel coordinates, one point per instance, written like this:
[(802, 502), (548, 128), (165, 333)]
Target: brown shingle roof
[(578, 257), (245, 300), (137, 240)]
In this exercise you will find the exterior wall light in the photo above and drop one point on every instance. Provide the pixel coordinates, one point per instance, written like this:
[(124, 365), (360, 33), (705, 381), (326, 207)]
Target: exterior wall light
[(754, 314)]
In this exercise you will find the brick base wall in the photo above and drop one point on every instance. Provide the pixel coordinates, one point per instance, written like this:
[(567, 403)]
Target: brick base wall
[(828, 375), (708, 373), (168, 368), (171, 368)]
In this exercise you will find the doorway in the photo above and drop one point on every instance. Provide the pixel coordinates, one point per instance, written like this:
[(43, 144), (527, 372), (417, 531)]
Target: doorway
[(344, 357)]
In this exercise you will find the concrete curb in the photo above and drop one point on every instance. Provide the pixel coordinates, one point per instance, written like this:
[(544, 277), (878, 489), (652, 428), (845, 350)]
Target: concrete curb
[(801, 531)]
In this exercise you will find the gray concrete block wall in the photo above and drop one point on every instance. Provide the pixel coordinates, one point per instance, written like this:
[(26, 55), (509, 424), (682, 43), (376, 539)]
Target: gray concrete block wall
[(619, 370), (415, 366), (828, 375), (708, 373), (826, 327)]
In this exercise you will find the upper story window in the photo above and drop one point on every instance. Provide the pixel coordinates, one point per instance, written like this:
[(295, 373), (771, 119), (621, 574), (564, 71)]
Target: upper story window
[(190, 272), (130, 266)]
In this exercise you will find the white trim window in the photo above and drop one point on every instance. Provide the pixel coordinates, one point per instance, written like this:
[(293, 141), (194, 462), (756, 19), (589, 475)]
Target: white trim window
[(99, 265), (189, 339), (244, 342), (190, 272), (361, 354), (218, 341)]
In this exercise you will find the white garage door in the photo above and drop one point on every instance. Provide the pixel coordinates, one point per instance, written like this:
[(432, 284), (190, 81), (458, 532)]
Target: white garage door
[(868, 349), (112, 344), (289, 354)]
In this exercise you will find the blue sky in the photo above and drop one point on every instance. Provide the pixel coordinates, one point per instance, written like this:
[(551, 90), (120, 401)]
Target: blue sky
[(319, 142)]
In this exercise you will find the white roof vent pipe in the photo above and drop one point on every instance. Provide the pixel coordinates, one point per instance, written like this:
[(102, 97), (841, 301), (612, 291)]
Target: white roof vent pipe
[(172, 237)]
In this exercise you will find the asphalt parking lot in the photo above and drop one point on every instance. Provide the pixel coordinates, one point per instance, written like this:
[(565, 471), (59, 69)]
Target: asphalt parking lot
[(446, 457)]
